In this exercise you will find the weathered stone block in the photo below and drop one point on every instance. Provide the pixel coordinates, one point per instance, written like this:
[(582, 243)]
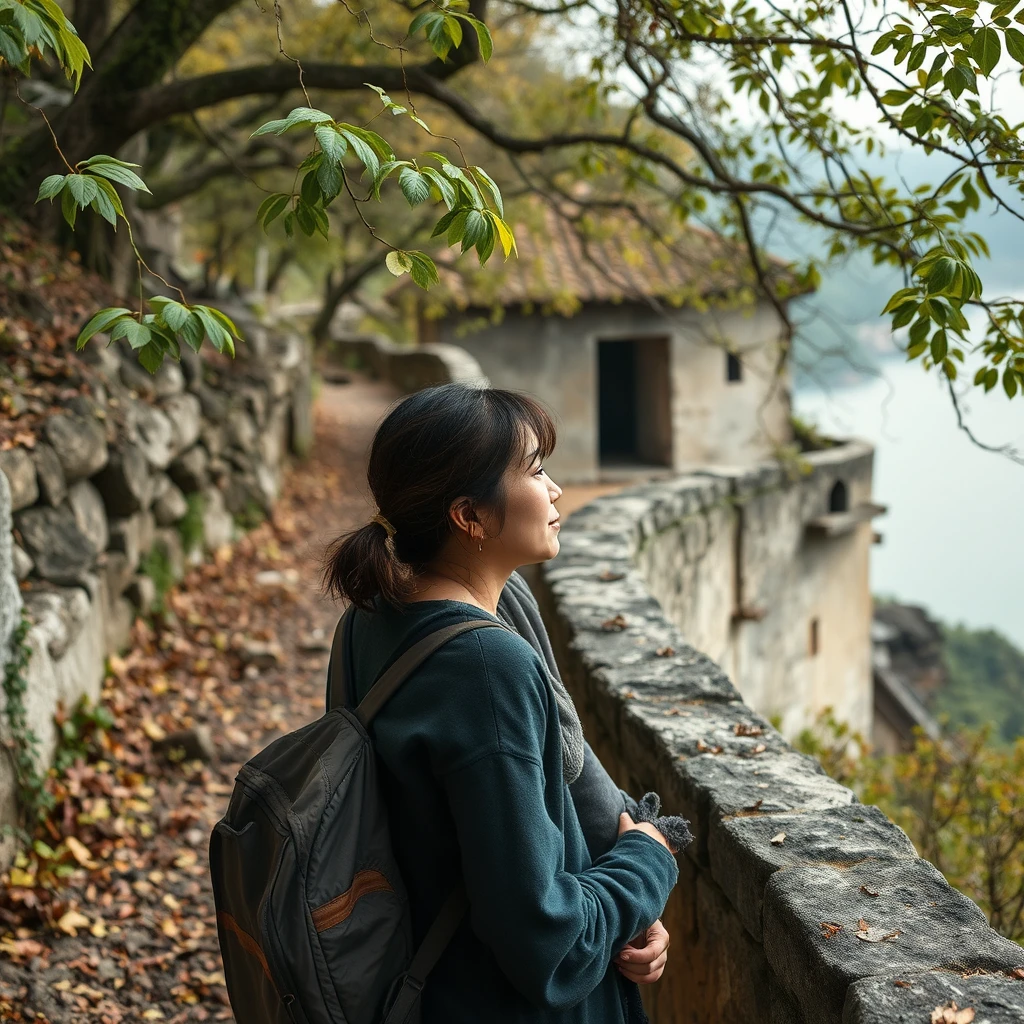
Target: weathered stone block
[(141, 592), (743, 857), (995, 999), (241, 430), (118, 571), (155, 435), (716, 786), (20, 471), (930, 926), (300, 433), (186, 418), (218, 526), (170, 506), (190, 470), (90, 515), (52, 485), (21, 562), (80, 444), (125, 482), (61, 552)]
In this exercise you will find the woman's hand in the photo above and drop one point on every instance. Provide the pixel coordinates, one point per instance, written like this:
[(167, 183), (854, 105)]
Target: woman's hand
[(645, 963), (627, 824)]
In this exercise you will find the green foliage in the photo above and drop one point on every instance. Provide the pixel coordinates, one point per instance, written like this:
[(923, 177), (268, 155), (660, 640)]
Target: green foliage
[(251, 516), (475, 209), (32, 28), (34, 799), (156, 564), (985, 683), (190, 526), (959, 801), (82, 734), (442, 25), (160, 333)]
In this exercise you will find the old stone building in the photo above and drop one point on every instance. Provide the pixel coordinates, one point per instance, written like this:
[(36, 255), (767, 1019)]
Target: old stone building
[(653, 354)]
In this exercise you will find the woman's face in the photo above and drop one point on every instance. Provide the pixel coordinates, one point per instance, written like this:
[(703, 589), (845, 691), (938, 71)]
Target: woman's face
[(530, 532)]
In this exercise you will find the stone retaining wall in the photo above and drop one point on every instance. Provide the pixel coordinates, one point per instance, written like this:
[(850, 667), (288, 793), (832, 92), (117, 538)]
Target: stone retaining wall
[(786, 863), (409, 368), (111, 478)]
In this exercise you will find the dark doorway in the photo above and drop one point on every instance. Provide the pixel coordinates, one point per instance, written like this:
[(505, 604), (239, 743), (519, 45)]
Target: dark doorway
[(634, 391), (616, 375)]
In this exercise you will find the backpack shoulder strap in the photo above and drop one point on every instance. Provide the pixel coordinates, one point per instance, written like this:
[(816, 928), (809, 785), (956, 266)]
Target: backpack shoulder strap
[(385, 687), (337, 679)]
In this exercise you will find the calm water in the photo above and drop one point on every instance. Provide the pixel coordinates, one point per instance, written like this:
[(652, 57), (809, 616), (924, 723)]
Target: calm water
[(953, 537)]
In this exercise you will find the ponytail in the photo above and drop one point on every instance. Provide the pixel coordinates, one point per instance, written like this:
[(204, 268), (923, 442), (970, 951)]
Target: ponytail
[(362, 565)]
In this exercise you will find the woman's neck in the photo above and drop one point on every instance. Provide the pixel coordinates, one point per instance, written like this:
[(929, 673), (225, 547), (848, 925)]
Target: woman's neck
[(450, 583)]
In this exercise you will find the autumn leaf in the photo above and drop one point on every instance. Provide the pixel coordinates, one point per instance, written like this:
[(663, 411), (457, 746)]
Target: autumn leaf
[(951, 1014), (71, 922), (778, 839)]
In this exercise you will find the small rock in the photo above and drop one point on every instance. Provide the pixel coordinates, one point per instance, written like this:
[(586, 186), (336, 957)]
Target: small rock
[(170, 506), (273, 581), (80, 444), (118, 571), (90, 515), (125, 482), (241, 430), (261, 653), (18, 467), (22, 560), (196, 743), (218, 526), (155, 436), (314, 642), (169, 540), (62, 553), (190, 470), (186, 418), (141, 592), (52, 486)]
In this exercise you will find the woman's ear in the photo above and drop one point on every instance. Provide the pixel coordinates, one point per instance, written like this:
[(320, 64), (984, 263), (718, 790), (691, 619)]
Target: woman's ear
[(463, 517)]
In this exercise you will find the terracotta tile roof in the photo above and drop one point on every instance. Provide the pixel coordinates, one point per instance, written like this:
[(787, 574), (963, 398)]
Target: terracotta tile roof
[(571, 257)]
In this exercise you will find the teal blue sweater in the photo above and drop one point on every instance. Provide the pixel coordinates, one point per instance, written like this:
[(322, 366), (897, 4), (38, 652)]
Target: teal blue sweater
[(472, 774)]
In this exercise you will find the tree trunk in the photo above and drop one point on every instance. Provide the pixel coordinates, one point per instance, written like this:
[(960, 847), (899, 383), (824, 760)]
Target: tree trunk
[(139, 52)]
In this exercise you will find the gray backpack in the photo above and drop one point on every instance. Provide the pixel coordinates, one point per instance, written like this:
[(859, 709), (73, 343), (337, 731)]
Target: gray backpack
[(312, 914)]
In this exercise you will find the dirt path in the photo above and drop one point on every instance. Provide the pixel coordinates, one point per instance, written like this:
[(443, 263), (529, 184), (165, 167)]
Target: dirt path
[(132, 935)]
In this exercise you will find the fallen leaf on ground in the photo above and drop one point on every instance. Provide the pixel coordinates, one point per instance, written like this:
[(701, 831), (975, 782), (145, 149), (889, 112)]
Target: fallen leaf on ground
[(614, 624), (72, 921), (829, 928), (868, 891), (665, 652), (778, 839)]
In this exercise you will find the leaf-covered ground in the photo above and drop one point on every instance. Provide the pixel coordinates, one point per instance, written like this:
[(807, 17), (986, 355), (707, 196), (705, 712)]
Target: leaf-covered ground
[(130, 933)]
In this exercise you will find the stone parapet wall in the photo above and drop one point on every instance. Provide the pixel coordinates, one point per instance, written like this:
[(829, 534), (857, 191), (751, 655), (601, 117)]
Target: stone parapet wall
[(765, 920), (111, 478), (409, 368)]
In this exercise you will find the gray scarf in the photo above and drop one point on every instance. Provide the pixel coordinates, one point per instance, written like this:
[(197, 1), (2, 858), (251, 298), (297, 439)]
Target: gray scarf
[(517, 608)]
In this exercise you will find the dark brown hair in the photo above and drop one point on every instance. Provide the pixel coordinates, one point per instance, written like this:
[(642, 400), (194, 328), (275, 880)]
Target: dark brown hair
[(437, 445)]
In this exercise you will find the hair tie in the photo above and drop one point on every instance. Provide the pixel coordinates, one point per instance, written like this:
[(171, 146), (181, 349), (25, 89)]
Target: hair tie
[(388, 528)]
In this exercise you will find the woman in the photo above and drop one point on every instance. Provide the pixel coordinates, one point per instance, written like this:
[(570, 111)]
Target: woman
[(475, 759)]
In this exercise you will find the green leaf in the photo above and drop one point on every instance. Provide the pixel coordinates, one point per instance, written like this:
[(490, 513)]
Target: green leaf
[(151, 356), (105, 208), (442, 225), (904, 314), (917, 56), (957, 79), (309, 190), (941, 275), (423, 272), (459, 176), (328, 176), (398, 262), (483, 38), (1009, 382), (305, 219), (323, 225), (1015, 44), (488, 186), (474, 228), (306, 115), (174, 314), (939, 346), (363, 151), (50, 186), (917, 350), (115, 170), (457, 227), (898, 299), (99, 323), (130, 328), (111, 193), (986, 49), (271, 127), (414, 186), (68, 207), (192, 332), (332, 142), (448, 193), (271, 208), (82, 188), (215, 331), (485, 244)]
